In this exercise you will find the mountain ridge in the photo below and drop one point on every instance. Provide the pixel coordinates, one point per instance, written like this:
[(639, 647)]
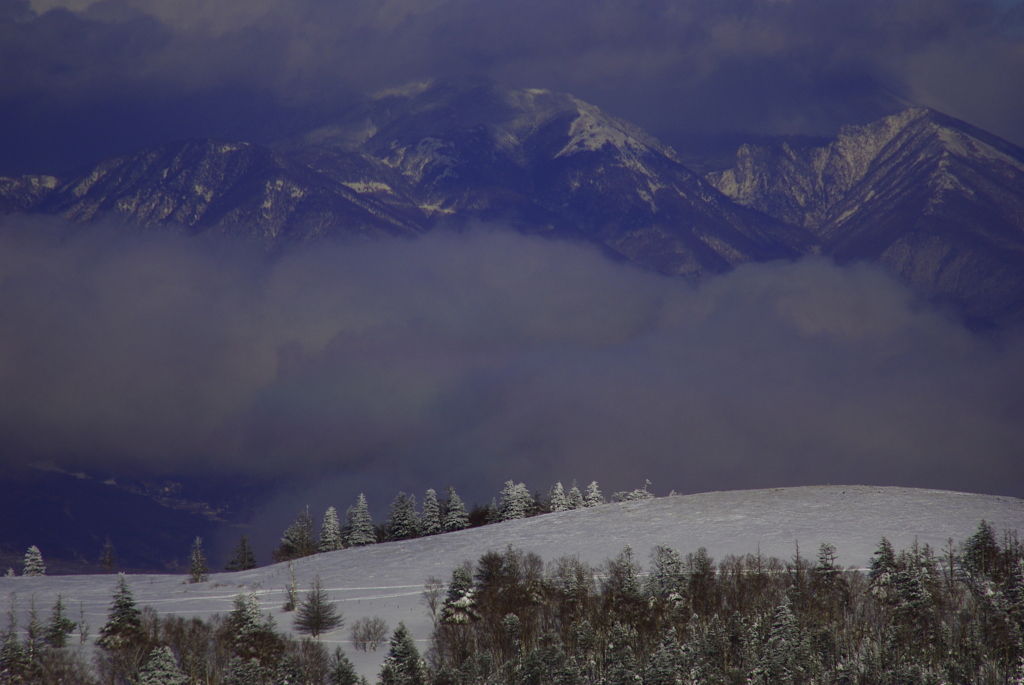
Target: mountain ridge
[(935, 200)]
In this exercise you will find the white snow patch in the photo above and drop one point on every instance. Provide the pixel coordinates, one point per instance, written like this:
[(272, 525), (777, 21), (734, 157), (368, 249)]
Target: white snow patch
[(369, 187)]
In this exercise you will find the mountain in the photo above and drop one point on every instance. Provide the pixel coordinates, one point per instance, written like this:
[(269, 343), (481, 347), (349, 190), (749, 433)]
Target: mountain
[(935, 200), (237, 189), (387, 580), (447, 152), (548, 163)]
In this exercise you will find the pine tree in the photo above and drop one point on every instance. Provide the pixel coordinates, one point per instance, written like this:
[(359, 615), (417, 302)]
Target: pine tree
[(330, 532), (403, 522), (515, 502), (403, 665), (574, 500), (298, 539), (359, 524), (430, 523), (162, 669), (341, 671), (59, 626), (107, 558), (556, 499), (457, 518), (124, 621), (34, 563), (198, 570), (243, 558), (593, 496), (317, 614), (460, 604)]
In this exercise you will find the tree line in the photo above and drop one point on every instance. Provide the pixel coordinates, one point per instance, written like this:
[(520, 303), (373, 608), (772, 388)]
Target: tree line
[(437, 515), (916, 616)]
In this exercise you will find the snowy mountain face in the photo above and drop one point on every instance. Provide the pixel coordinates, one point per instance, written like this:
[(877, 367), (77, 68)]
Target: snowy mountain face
[(937, 201), (544, 163), (387, 580)]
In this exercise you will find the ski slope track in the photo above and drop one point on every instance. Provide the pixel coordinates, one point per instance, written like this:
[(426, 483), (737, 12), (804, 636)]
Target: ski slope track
[(387, 580)]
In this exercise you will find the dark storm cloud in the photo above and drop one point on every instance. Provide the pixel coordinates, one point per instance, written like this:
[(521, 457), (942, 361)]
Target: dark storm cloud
[(767, 66), (473, 359)]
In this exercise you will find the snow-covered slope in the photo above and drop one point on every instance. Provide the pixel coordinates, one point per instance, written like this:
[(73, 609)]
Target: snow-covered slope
[(387, 580)]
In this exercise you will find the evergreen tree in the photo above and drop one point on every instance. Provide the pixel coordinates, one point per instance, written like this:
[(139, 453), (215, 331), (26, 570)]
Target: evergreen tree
[(34, 562), (515, 502), (403, 522), (456, 518), (59, 626), (574, 500), (298, 539), (460, 604), (430, 523), (403, 665), (107, 558), (124, 621), (593, 496), (330, 532), (981, 552), (198, 570), (317, 614), (556, 499), (162, 669), (243, 558), (359, 524), (247, 672), (341, 671)]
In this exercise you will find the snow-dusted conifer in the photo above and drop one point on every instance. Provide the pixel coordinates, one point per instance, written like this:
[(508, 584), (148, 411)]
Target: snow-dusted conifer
[(198, 570), (162, 669), (340, 670), (34, 562), (298, 539), (593, 496), (556, 499), (403, 665), (457, 518), (59, 626), (637, 495), (460, 604), (403, 522), (574, 500), (430, 523), (124, 620), (515, 502), (330, 532), (359, 524)]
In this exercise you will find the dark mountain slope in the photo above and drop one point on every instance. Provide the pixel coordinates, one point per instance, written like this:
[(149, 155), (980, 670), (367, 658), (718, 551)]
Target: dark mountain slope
[(939, 202)]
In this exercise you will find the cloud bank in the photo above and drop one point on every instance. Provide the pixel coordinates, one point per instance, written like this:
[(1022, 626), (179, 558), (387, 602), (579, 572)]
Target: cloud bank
[(134, 72), (471, 359)]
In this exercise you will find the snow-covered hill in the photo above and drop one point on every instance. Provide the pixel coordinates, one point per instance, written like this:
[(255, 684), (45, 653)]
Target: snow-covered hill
[(387, 580)]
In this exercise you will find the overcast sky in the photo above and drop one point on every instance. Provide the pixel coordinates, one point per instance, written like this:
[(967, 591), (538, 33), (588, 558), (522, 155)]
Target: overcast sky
[(83, 80), (471, 360)]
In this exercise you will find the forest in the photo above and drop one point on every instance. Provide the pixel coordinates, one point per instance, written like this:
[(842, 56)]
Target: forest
[(916, 615)]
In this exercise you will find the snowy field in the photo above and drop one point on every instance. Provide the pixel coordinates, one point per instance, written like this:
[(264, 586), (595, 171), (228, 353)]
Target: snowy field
[(387, 580)]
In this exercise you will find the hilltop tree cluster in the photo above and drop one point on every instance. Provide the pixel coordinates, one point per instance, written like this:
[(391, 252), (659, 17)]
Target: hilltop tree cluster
[(437, 515), (915, 617)]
